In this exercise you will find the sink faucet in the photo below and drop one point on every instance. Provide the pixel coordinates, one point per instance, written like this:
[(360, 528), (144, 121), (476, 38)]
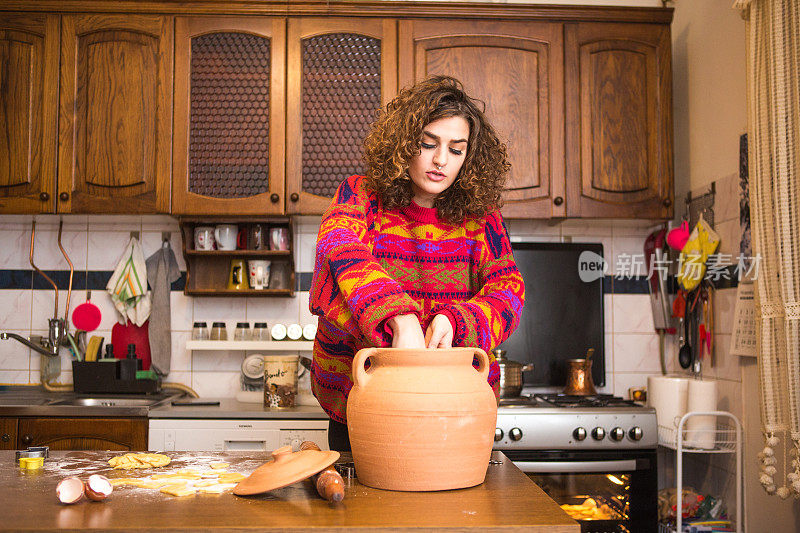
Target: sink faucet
[(57, 327)]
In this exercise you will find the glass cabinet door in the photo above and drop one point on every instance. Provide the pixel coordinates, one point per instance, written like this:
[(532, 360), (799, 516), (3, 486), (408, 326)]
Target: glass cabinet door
[(340, 72), (229, 119)]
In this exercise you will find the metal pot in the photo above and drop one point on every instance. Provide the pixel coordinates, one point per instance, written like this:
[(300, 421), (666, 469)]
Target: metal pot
[(510, 374)]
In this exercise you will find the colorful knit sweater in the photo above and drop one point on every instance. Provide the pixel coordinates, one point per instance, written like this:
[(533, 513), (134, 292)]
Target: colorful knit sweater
[(373, 264)]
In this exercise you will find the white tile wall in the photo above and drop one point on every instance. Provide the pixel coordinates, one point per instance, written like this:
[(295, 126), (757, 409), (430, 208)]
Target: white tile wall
[(98, 241)]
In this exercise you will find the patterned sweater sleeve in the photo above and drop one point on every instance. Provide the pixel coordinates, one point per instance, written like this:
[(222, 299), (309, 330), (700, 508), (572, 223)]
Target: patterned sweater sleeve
[(349, 287), (488, 318)]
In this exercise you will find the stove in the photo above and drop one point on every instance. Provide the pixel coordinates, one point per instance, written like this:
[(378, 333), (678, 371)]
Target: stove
[(557, 421), (594, 455)]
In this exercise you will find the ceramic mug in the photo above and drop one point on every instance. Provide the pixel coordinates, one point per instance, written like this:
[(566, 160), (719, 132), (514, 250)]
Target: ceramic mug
[(256, 237), (279, 238), (225, 235), (204, 238), (237, 279), (258, 273)]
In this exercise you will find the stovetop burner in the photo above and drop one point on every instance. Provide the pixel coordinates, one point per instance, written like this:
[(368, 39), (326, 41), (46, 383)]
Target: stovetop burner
[(566, 401), (598, 400)]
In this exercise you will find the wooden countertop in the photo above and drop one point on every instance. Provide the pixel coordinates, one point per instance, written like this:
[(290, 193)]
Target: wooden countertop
[(507, 501)]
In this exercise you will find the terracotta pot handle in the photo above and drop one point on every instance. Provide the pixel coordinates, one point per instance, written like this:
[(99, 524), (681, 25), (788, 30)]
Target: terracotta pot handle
[(483, 363), (360, 376)]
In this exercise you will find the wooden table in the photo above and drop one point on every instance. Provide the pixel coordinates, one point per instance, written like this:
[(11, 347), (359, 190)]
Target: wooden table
[(507, 501)]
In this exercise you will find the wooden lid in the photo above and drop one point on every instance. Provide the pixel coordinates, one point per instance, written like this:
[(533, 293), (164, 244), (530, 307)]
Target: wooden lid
[(284, 469)]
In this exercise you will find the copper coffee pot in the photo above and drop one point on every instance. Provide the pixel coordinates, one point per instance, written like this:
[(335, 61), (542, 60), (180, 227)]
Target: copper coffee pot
[(579, 376)]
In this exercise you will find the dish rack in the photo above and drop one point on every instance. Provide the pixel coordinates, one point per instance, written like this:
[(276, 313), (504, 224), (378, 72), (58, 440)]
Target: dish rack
[(725, 438)]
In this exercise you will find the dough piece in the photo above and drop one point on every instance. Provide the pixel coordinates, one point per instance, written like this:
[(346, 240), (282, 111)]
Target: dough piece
[(218, 466), (191, 471), (139, 460), (231, 477), (217, 489), (175, 476), (178, 490), (124, 481), (206, 483), (154, 483), (210, 475)]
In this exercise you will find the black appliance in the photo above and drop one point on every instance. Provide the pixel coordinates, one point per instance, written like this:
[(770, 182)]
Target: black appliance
[(562, 316)]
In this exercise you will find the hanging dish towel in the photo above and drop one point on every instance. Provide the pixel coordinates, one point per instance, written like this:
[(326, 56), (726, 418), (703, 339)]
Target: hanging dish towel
[(162, 270), (128, 286)]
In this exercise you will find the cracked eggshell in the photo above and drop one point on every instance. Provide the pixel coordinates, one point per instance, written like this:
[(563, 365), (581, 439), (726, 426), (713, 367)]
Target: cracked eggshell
[(69, 490), (98, 487)]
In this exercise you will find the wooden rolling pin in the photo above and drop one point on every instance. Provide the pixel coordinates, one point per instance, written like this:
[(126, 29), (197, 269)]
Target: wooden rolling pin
[(329, 482)]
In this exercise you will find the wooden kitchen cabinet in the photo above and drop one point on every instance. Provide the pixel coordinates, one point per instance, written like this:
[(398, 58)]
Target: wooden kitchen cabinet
[(619, 120), (115, 108), (229, 116), (123, 434), (28, 106), (515, 68), (340, 71), (8, 433)]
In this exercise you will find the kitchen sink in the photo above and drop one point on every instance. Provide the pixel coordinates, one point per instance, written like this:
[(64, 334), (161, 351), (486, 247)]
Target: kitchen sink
[(108, 402)]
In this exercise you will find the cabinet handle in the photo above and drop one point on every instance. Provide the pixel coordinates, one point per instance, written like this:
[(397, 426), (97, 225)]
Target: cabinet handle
[(667, 202), (64, 196), (44, 196), (294, 197), (558, 200), (27, 439), (6, 437), (274, 198)]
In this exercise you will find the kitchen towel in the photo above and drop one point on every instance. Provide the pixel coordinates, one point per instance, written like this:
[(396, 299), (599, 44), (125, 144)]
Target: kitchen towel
[(668, 395), (162, 270), (128, 286), (701, 429)]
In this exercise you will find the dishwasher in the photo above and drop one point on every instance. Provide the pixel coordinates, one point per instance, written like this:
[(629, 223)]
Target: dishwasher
[(234, 426)]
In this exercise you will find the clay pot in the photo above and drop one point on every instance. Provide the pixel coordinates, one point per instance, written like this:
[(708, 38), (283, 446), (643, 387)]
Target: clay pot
[(421, 419)]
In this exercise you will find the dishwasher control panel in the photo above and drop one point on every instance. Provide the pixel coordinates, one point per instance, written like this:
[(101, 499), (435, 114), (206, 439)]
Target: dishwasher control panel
[(234, 435)]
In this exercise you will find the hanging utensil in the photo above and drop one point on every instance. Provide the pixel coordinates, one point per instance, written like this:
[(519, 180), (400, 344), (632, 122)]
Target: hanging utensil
[(87, 316), (655, 255)]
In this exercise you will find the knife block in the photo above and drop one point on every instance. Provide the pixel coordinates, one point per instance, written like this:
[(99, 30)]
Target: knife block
[(108, 377)]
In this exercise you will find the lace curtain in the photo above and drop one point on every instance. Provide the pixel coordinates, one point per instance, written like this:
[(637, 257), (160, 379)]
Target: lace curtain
[(773, 70)]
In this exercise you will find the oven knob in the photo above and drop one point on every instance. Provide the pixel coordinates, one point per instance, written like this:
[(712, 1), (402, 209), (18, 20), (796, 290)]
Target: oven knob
[(635, 433), (598, 433), (617, 434), (498, 434), (579, 433), (515, 434)]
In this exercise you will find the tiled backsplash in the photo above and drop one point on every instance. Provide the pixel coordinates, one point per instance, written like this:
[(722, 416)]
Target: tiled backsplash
[(95, 243)]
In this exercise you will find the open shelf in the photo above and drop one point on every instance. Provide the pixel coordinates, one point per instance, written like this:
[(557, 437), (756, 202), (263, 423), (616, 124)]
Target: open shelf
[(243, 292), (269, 346), (721, 440), (207, 271), (239, 253)]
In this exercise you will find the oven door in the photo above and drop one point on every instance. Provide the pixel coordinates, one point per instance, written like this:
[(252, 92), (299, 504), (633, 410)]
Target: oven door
[(605, 491)]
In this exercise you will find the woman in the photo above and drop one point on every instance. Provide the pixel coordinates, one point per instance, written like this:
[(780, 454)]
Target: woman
[(415, 254)]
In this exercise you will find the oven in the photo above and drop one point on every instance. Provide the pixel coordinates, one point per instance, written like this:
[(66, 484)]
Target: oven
[(598, 462), (606, 492)]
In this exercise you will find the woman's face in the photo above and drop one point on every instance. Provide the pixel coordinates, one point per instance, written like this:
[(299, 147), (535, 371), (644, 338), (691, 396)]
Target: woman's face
[(443, 148)]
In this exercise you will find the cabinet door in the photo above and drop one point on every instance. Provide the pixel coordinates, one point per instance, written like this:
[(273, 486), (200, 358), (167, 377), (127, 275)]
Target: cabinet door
[(516, 70), (28, 100), (340, 72), (619, 120), (115, 109), (84, 433), (8, 433), (229, 116)]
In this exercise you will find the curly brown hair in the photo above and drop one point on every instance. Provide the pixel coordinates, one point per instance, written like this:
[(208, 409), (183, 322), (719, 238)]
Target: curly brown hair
[(395, 136)]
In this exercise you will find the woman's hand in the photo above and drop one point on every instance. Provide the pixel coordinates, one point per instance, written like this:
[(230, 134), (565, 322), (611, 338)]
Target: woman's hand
[(439, 333), (407, 333)]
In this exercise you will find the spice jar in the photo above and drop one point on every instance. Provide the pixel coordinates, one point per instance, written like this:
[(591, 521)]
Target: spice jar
[(219, 332)]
